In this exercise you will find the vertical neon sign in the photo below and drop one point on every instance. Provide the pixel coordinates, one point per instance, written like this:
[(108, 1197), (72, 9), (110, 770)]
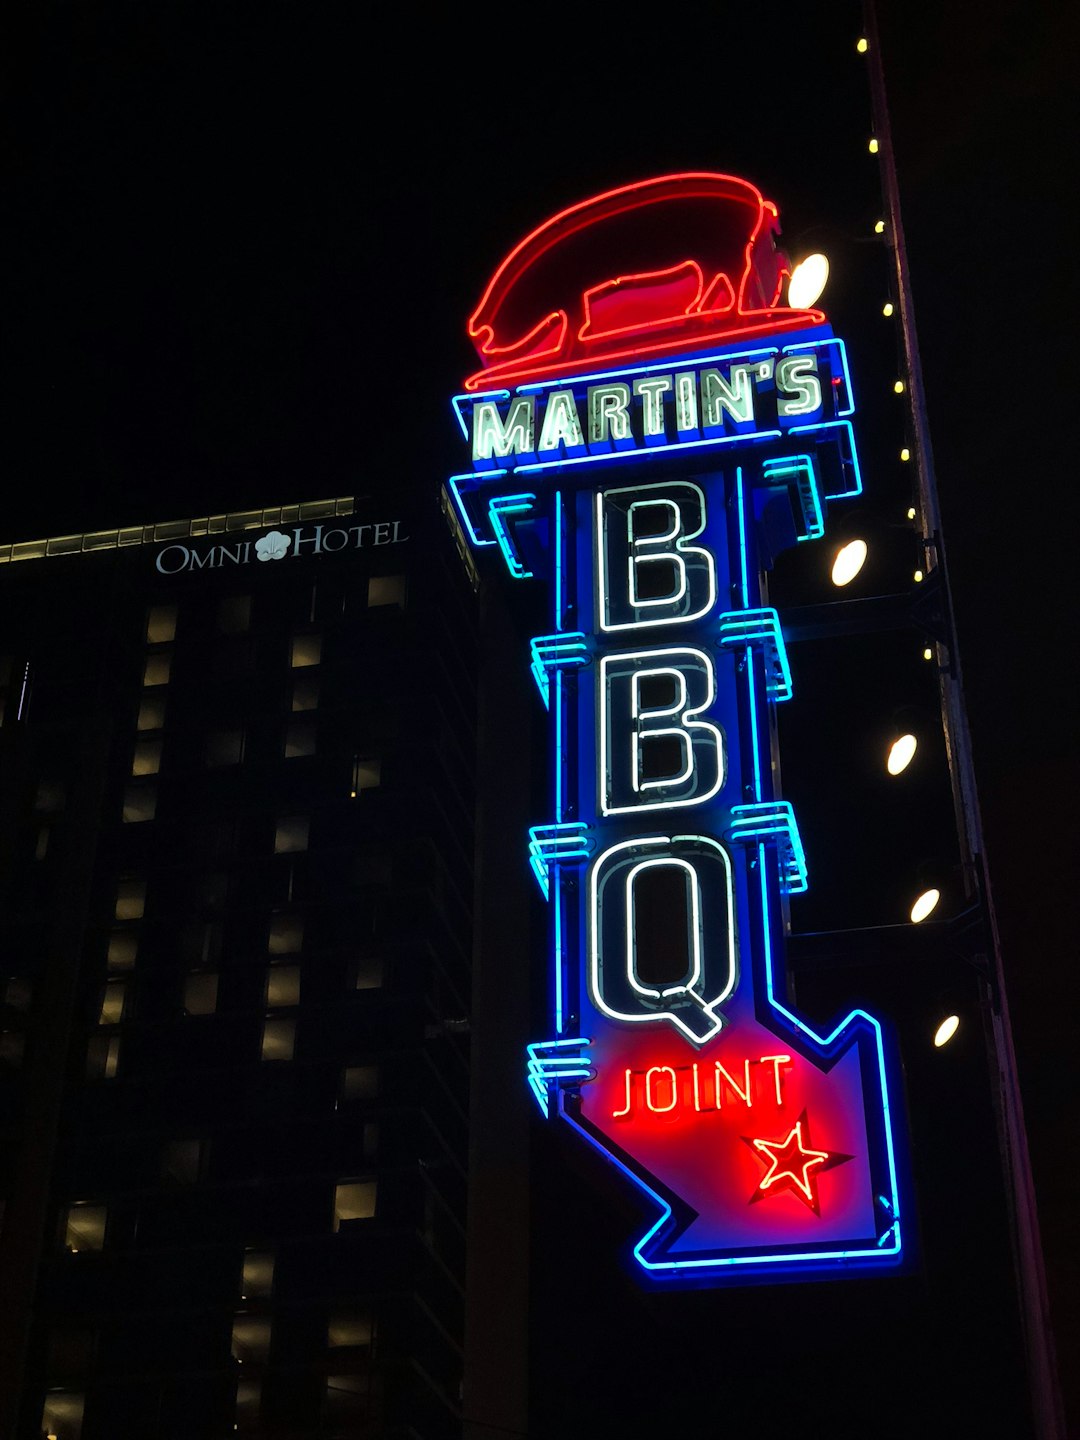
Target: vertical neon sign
[(666, 438)]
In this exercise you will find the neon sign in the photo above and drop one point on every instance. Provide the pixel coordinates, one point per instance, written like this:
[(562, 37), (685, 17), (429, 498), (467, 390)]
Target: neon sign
[(651, 499), (697, 263)]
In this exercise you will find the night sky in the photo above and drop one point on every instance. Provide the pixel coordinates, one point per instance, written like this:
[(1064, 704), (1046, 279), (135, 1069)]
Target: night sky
[(243, 241)]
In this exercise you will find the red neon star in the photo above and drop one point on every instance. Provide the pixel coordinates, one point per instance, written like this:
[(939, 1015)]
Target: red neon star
[(793, 1165)]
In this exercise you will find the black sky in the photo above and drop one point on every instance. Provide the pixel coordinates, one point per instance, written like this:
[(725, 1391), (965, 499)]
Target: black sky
[(243, 240)]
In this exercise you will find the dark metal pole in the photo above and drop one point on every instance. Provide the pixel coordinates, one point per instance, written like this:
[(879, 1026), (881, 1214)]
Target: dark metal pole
[(1028, 1256)]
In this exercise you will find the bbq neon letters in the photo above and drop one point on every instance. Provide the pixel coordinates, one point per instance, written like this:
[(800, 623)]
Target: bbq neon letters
[(651, 499)]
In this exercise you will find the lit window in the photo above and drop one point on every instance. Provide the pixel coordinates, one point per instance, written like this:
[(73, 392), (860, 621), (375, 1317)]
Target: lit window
[(306, 650), (291, 834), (84, 1227), (347, 1400), (368, 973), (248, 1400), (225, 747), (151, 713), (305, 692), (102, 1057), (286, 933), (123, 945), (283, 985), (140, 804), (200, 994), (161, 625), (234, 614), (349, 1331), (130, 899), (366, 775), (353, 1200), (299, 740), (112, 1003), (147, 758), (257, 1277), (181, 1161), (62, 1415), (157, 667), (250, 1338), (360, 1082), (278, 1040), (386, 590)]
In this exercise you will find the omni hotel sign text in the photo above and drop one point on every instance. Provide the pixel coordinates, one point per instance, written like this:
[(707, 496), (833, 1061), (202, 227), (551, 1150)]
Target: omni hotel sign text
[(303, 540)]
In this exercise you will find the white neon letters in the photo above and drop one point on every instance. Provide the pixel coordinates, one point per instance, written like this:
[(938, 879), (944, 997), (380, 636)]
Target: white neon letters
[(647, 571), (617, 986), (648, 703)]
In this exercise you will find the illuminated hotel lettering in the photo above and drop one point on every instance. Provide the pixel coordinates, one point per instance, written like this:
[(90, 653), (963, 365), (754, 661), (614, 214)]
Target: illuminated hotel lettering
[(279, 544), (624, 452)]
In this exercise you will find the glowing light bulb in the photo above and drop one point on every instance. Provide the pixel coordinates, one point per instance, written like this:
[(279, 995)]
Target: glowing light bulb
[(917, 577), (946, 1030), (928, 654), (808, 280), (901, 753), (898, 386), (873, 146), (905, 454), (862, 45), (879, 227), (887, 308), (911, 512), (849, 560), (925, 905)]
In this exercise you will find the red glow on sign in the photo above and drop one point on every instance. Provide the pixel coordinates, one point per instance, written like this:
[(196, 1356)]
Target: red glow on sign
[(701, 1087), (793, 1165), (764, 1146), (672, 263)]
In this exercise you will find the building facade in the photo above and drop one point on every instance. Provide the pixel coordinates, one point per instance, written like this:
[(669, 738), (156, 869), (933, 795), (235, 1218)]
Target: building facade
[(236, 811)]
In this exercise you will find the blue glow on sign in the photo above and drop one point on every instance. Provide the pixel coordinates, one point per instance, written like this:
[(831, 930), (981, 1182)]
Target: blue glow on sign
[(766, 1147)]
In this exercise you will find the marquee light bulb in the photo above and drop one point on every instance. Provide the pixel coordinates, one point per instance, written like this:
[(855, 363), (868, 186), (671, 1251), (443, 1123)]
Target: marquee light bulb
[(873, 145), (905, 454), (925, 905), (849, 560), (901, 753), (911, 512), (898, 386), (887, 308), (928, 654), (862, 45), (946, 1030), (879, 227), (808, 280), (917, 577)]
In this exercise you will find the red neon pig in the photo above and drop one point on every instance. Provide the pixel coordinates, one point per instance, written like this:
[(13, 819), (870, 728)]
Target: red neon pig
[(668, 264)]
